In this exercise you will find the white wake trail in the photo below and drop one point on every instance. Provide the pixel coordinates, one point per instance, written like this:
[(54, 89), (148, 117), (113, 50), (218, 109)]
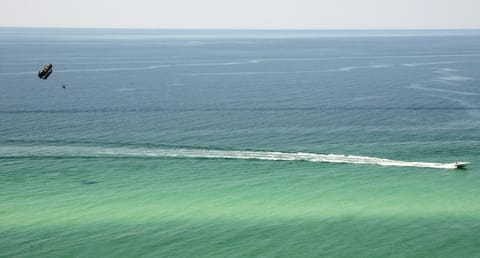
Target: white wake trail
[(82, 151), (142, 68)]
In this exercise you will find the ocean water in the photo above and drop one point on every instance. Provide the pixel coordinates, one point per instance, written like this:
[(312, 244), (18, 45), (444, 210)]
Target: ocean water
[(179, 143)]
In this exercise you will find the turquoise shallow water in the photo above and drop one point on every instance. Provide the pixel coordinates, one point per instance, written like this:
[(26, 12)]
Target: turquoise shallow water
[(239, 143)]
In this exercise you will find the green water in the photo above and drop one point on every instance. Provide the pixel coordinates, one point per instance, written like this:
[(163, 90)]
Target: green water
[(97, 207)]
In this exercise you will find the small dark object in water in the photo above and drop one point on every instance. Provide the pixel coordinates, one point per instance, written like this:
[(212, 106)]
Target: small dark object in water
[(45, 71), (461, 165), (64, 86), (86, 182)]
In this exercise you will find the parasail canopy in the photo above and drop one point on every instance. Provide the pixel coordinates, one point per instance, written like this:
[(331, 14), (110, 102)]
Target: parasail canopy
[(45, 71)]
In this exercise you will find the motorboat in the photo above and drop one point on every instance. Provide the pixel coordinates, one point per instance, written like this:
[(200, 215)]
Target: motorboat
[(460, 164)]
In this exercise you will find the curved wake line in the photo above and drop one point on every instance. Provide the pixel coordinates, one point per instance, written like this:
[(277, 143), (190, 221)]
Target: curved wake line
[(419, 87), (80, 151), (151, 67)]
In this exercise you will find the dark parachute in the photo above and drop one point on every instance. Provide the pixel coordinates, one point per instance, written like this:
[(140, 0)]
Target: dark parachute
[(45, 72)]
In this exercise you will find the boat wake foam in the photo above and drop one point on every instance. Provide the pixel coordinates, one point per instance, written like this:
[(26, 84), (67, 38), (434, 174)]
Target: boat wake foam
[(83, 151)]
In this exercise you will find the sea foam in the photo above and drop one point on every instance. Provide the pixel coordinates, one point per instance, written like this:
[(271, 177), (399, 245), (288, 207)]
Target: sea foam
[(89, 151)]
